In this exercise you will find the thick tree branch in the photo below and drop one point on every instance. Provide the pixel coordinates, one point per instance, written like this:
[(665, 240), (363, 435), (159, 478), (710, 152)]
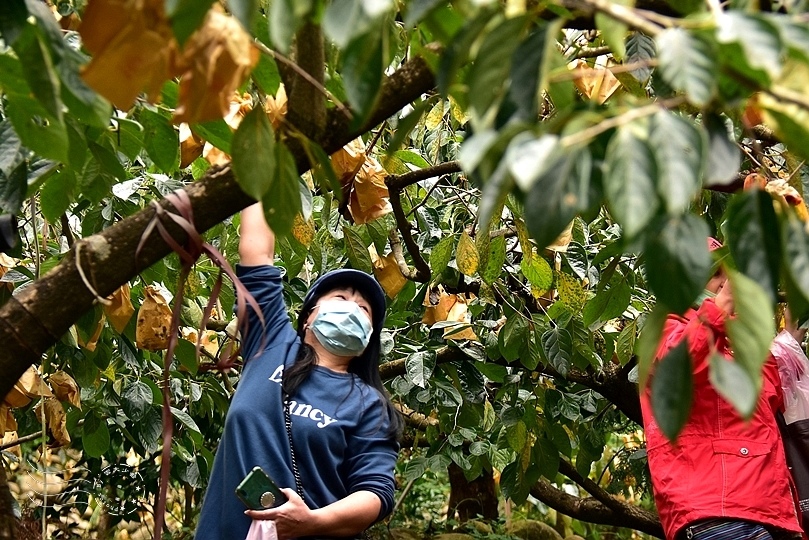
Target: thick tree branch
[(307, 105), (401, 181), (37, 316), (594, 511)]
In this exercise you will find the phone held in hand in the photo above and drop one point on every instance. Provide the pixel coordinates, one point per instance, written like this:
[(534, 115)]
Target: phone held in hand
[(258, 492)]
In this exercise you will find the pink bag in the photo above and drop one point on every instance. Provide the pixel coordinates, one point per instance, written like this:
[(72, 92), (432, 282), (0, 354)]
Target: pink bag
[(793, 367), (262, 529)]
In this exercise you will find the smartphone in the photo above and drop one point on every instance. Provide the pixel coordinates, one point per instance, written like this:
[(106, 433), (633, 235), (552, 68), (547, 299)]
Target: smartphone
[(258, 492)]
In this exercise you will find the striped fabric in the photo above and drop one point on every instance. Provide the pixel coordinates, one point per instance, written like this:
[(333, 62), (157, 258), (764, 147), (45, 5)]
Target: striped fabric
[(716, 529)]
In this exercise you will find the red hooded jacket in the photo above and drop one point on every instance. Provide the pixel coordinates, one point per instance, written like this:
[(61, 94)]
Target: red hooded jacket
[(720, 465)]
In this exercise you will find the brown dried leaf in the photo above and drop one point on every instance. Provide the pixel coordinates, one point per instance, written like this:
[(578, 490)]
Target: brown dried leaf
[(214, 155), (347, 162), (133, 49), (460, 313), (216, 59), (154, 321), (65, 388), (369, 195), (9, 437), (7, 420), (595, 83), (93, 341), (120, 310), (387, 273), (55, 420), (438, 304), (30, 385)]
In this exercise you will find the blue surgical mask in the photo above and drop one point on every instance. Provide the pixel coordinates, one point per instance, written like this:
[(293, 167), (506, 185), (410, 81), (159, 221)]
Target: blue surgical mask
[(342, 327), (704, 295)]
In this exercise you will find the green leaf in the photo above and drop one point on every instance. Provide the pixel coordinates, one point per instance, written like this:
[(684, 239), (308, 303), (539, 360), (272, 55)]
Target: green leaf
[(456, 53), (38, 70), (734, 384), (796, 256), (362, 73), (283, 23), (625, 342), (687, 62), (82, 101), (255, 163), (537, 271), (686, 6), (672, 391), (489, 72), (609, 302), (161, 140), (38, 131), (107, 159), (57, 194), (186, 16), (266, 74), (554, 198), (649, 341), (245, 11), (754, 240), (282, 202), (529, 157), (441, 254), (128, 137), (614, 31), (640, 49), (136, 399), (629, 178), (185, 419), (186, 353), (751, 331), (13, 187), (546, 457), (495, 260), (517, 436), (758, 38), (95, 435), (724, 155), (493, 372), (679, 150), (789, 121), (419, 367), (527, 69), (513, 338), (217, 132), (678, 262), (345, 20), (357, 250), (557, 344)]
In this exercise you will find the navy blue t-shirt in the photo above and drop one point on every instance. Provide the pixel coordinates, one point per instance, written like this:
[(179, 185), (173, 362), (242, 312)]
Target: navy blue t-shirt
[(339, 424)]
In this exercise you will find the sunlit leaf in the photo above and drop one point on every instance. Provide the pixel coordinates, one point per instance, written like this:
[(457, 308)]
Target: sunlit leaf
[(558, 346), (688, 63), (614, 30), (724, 156), (679, 150), (758, 38), (466, 255), (419, 367)]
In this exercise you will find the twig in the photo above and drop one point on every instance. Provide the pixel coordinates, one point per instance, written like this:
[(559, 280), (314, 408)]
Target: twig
[(322, 89), (625, 15), (401, 181), (586, 134), (592, 52), (35, 235), (66, 232), (425, 199), (21, 440), (398, 255)]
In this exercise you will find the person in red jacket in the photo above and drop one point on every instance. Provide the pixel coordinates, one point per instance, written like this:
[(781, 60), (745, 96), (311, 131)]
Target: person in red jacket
[(724, 478)]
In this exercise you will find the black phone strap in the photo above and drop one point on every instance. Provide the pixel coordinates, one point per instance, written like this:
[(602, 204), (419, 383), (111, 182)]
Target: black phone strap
[(295, 472)]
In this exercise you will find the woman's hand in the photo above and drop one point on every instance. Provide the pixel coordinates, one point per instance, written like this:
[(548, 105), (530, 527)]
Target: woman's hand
[(724, 298), (292, 519)]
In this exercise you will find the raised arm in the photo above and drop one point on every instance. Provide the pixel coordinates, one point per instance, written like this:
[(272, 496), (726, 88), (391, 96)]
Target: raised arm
[(256, 239)]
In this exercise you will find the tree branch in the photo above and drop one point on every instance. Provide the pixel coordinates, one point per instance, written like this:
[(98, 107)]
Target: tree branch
[(593, 511), (37, 316), (422, 273), (401, 181), (307, 107)]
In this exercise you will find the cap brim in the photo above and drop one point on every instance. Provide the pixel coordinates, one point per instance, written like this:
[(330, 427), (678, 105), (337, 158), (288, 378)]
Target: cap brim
[(365, 283)]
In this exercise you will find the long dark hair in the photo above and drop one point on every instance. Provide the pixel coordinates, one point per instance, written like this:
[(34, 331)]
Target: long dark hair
[(364, 366)]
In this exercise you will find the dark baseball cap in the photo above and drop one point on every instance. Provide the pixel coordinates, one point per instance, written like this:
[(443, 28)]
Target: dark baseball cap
[(366, 284)]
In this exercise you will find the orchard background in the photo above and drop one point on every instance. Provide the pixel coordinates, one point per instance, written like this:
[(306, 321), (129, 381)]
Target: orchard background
[(531, 181)]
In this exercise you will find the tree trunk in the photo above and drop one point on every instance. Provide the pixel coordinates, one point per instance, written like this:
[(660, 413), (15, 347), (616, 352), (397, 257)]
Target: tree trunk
[(8, 523), (471, 499)]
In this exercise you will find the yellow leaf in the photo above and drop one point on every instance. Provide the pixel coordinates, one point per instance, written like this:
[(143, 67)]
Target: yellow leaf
[(120, 310), (387, 273), (133, 49), (435, 116), (216, 59), (466, 255), (65, 388), (571, 292), (55, 420), (347, 162), (303, 231), (154, 321)]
